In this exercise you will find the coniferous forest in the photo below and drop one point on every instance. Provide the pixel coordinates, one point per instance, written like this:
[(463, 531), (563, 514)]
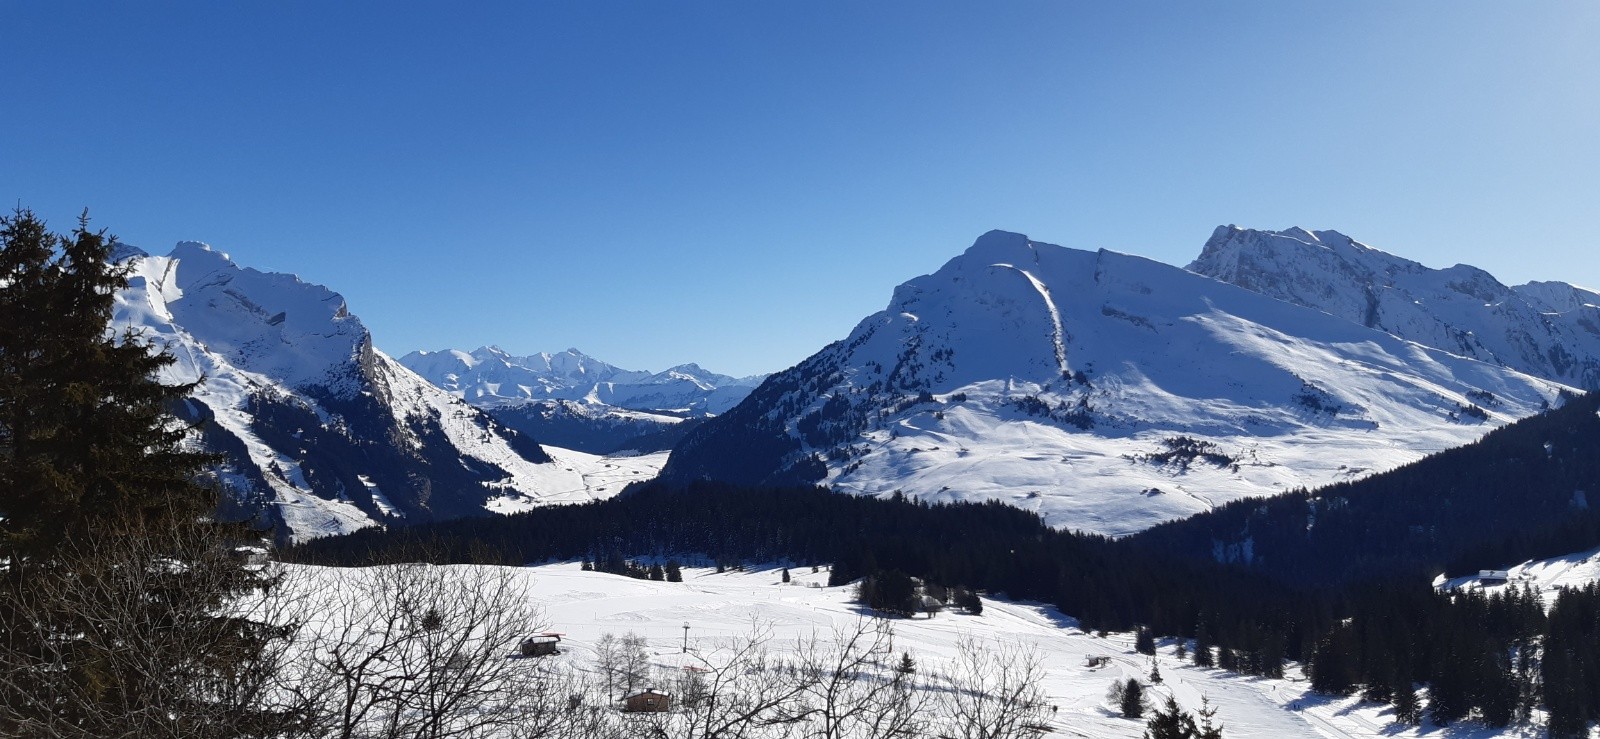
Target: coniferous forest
[(1338, 579)]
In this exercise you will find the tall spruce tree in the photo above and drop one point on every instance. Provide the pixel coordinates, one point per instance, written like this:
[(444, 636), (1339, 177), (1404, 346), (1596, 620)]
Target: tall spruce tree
[(117, 593), (1170, 722)]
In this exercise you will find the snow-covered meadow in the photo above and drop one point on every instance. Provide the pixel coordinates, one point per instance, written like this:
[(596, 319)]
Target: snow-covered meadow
[(721, 609)]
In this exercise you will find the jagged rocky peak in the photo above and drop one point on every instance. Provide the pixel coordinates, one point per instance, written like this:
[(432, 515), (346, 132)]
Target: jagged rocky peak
[(319, 432), (1559, 297), (1542, 329), (271, 323)]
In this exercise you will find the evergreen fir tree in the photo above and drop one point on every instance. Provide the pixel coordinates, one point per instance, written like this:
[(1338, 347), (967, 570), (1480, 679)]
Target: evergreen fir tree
[(970, 601), (1208, 728), (1169, 722), (1202, 644), (1132, 699), (98, 500), (1407, 709), (1144, 641)]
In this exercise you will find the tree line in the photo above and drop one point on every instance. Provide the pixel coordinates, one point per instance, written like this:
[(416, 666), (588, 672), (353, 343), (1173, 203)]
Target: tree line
[(1340, 577)]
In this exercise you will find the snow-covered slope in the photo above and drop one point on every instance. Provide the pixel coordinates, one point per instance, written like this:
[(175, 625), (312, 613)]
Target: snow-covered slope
[(1547, 577), (1107, 392), (1078, 667), (322, 433), (491, 376), (1546, 329)]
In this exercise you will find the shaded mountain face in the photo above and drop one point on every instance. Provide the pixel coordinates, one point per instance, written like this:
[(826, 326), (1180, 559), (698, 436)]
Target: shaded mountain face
[(1545, 329), (1105, 391), (320, 432), (593, 427), (578, 402)]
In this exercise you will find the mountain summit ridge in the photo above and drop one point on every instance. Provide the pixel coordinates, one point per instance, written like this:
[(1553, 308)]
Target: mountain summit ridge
[(1106, 391), (491, 376), (320, 433), (1548, 329)]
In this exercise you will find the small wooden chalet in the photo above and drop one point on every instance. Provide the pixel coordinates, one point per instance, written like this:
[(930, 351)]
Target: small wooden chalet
[(647, 701), (541, 645)]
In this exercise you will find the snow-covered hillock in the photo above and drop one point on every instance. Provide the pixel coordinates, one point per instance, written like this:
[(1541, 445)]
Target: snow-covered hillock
[(1545, 329), (1547, 577), (321, 433), (1107, 392)]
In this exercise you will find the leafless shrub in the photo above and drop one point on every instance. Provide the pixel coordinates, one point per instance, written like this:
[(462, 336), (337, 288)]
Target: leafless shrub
[(994, 693), (413, 650), (134, 631)]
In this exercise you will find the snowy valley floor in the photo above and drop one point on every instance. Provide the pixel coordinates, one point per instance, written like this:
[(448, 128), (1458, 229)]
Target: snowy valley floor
[(717, 607)]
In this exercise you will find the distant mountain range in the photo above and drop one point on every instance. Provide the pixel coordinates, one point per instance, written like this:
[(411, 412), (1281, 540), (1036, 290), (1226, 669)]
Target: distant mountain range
[(1109, 392), (320, 432), (575, 401)]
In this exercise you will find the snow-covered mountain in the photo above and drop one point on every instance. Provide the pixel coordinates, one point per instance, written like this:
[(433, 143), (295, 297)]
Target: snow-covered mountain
[(491, 376), (1546, 329), (1107, 392), (322, 433), (576, 401)]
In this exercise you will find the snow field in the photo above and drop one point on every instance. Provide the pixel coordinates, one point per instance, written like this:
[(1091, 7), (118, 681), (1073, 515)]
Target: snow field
[(720, 608)]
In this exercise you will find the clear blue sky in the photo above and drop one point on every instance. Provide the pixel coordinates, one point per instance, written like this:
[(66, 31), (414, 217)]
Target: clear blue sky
[(738, 183)]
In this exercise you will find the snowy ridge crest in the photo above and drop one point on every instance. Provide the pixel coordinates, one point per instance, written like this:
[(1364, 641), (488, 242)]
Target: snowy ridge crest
[(489, 376), (1545, 329), (321, 433), (1107, 392)]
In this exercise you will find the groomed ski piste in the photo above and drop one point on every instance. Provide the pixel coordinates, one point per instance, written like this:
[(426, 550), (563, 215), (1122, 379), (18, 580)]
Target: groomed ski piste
[(720, 607)]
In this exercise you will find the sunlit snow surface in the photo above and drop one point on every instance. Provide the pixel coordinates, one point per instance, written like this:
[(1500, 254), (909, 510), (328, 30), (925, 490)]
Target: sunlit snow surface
[(719, 607), (1546, 576), (1167, 353), (1547, 329), (250, 334)]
